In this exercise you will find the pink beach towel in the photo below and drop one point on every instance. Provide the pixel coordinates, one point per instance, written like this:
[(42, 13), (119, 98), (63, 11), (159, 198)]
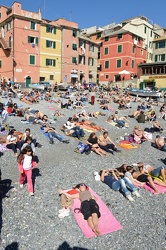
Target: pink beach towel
[(52, 108), (161, 188), (107, 222)]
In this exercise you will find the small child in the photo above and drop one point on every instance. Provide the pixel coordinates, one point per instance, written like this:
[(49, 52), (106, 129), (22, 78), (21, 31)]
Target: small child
[(25, 165)]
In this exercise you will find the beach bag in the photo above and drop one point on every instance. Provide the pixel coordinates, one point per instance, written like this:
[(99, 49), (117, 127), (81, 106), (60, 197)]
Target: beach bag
[(83, 148), (131, 138)]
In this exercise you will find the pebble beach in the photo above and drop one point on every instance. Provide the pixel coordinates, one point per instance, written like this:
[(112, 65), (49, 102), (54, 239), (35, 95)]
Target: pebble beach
[(32, 223)]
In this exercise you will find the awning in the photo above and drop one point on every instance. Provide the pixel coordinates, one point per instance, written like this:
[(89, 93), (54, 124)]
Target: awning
[(74, 75)]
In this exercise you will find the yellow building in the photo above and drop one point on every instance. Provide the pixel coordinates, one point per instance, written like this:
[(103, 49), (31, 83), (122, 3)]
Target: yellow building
[(50, 52)]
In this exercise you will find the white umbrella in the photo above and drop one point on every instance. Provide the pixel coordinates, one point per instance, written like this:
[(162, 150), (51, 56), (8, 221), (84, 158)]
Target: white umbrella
[(124, 72)]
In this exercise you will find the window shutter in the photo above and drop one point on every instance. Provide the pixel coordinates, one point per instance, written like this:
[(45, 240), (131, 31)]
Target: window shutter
[(88, 61), (163, 57), (54, 45), (47, 28), (54, 63), (29, 39), (47, 62), (32, 60), (155, 58), (47, 44), (156, 47), (92, 61), (37, 40), (54, 30), (0, 64)]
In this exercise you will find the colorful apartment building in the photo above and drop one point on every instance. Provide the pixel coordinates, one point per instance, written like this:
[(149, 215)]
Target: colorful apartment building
[(50, 52), (19, 44), (121, 50)]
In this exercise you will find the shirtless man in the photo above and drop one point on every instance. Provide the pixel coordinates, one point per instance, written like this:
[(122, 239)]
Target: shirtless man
[(103, 141), (160, 143)]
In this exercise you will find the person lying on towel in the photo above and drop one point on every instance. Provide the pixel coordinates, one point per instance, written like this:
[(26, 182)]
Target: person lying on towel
[(89, 207)]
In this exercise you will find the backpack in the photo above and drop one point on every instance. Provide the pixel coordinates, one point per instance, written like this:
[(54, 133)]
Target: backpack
[(83, 148)]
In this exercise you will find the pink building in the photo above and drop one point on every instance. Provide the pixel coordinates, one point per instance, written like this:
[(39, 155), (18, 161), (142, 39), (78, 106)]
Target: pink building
[(19, 44), (121, 50)]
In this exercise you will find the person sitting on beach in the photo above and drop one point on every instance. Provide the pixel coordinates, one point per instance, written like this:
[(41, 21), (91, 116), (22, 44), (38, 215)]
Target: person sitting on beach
[(142, 176), (52, 133), (89, 207), (109, 177), (160, 143), (106, 143), (93, 142), (151, 117), (141, 117), (139, 135), (12, 142), (28, 142), (157, 127)]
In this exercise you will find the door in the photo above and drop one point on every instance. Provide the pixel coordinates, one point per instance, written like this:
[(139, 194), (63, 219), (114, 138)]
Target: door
[(28, 81)]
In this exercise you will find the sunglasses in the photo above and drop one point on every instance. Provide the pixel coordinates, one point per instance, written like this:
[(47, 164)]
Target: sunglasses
[(82, 184)]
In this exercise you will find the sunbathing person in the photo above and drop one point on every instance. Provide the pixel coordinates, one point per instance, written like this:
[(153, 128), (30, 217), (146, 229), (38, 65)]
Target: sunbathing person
[(52, 133), (160, 143), (93, 142), (110, 178), (106, 143), (142, 176), (157, 172), (89, 207), (139, 135), (120, 120), (157, 127), (75, 132), (86, 124)]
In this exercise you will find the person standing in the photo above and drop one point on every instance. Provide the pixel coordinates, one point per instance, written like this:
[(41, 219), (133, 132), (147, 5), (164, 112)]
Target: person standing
[(93, 94)]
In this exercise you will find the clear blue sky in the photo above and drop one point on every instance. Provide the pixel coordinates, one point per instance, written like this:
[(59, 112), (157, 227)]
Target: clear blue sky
[(89, 13)]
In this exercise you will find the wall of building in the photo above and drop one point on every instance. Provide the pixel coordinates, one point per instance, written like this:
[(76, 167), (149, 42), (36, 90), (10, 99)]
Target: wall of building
[(50, 53)]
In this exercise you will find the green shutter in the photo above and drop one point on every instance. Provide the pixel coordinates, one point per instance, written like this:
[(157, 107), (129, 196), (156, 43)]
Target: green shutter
[(32, 60), (88, 61), (47, 28), (118, 64), (54, 30), (106, 64), (37, 40), (155, 58), (92, 61), (119, 48), (0, 64), (54, 63), (163, 57), (29, 39), (156, 45), (54, 45), (73, 59), (47, 62), (47, 44), (106, 51)]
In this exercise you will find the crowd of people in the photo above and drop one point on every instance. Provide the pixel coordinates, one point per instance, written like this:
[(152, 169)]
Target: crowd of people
[(125, 178)]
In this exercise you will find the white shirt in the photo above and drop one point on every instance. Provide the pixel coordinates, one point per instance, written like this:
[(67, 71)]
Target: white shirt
[(27, 163)]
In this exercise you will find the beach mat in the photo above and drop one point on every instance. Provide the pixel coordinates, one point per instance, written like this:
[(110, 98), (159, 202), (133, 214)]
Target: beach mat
[(107, 222), (161, 188)]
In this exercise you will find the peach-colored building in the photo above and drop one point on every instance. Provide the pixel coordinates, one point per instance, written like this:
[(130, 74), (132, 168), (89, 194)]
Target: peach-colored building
[(19, 40)]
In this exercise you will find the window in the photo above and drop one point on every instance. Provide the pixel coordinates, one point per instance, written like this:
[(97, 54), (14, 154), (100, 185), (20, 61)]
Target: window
[(120, 36), (50, 29), (119, 63), (32, 25), (151, 33), (74, 46), (141, 52), (10, 41), (106, 76), (74, 60), (91, 47), (75, 33), (82, 60), (90, 61), (32, 60), (32, 39), (119, 48), (51, 77), (106, 39), (0, 14), (82, 44), (8, 25), (145, 29), (98, 35), (106, 51), (150, 45), (51, 62), (50, 44), (0, 64), (42, 79), (160, 58), (160, 45), (132, 64), (133, 49), (106, 64)]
